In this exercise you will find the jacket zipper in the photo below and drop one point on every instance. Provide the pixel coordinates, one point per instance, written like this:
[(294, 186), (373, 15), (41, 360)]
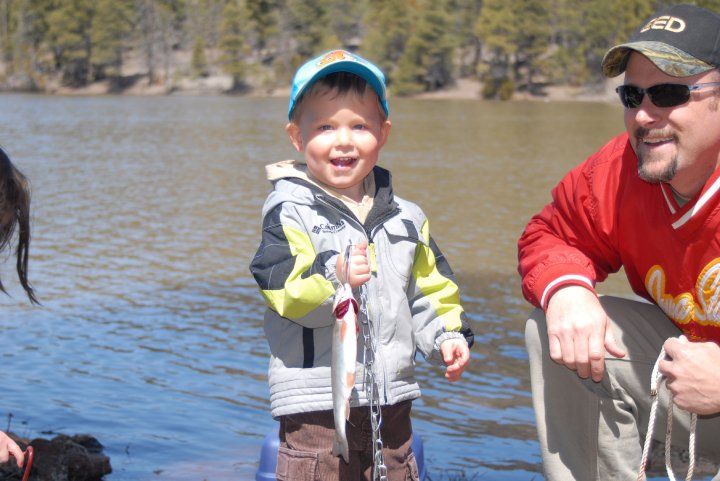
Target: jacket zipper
[(379, 360)]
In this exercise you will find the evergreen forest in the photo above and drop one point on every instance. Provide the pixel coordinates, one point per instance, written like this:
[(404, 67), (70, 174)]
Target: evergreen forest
[(422, 45)]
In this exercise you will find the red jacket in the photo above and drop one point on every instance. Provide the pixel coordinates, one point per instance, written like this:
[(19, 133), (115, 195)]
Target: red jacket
[(603, 216)]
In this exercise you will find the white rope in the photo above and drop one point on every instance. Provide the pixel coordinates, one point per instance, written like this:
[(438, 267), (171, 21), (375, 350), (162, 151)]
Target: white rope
[(655, 380)]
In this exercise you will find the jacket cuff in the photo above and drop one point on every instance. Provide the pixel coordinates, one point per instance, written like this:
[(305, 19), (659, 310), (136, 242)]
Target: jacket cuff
[(436, 356), (563, 281)]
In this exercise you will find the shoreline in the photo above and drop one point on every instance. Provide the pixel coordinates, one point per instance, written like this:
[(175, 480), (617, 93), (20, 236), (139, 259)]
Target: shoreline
[(463, 89)]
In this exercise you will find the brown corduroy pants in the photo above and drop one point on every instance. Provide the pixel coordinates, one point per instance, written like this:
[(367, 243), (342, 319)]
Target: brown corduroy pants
[(306, 443)]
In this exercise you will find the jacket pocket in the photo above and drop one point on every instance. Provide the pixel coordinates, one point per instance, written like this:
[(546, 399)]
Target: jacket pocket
[(293, 465), (412, 469)]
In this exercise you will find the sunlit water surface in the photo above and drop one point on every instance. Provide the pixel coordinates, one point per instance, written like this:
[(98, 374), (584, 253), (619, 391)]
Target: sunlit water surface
[(146, 215)]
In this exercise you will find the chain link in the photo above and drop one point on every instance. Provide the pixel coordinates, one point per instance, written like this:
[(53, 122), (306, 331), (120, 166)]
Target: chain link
[(372, 391)]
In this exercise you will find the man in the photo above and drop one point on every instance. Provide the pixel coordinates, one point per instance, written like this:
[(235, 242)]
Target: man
[(648, 201)]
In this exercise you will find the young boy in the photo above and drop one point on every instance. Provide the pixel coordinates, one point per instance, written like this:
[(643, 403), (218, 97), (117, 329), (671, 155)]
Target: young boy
[(338, 118)]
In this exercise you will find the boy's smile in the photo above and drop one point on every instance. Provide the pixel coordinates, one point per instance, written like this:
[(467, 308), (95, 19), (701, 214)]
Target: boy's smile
[(341, 136)]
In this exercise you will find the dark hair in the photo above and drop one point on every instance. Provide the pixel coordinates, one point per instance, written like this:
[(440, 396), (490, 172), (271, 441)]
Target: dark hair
[(339, 82), (15, 212)]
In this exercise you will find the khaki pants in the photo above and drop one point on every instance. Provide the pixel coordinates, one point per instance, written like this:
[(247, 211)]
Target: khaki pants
[(595, 431), (306, 443)]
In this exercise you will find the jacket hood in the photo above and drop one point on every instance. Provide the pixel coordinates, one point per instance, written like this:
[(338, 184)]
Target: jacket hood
[(292, 184)]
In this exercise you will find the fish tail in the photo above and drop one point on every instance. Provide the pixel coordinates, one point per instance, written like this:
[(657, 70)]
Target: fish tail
[(340, 448)]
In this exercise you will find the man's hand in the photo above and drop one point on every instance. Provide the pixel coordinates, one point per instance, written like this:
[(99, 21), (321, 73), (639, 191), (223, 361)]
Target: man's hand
[(358, 271), (692, 374), (579, 332), (8, 447), (456, 355)]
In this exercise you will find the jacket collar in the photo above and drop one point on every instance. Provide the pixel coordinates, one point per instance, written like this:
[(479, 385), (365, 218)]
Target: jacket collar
[(384, 205)]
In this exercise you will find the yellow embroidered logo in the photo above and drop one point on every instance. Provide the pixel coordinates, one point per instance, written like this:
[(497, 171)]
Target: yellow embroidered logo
[(703, 308), (666, 22), (334, 56)]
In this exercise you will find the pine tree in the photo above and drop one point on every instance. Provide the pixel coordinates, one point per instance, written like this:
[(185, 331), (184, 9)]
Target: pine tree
[(262, 22), (533, 35), (198, 62), (6, 29), (566, 62), (610, 22), (111, 25), (29, 42), (160, 24), (232, 43), (496, 27), (426, 63), (203, 20), (465, 14), (388, 24), (69, 33), (308, 23), (346, 21), (518, 34)]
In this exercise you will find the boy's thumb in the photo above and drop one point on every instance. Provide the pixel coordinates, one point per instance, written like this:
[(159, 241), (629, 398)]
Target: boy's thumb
[(447, 354)]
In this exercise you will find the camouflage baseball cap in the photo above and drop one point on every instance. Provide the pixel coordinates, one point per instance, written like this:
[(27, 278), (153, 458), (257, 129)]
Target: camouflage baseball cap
[(681, 40)]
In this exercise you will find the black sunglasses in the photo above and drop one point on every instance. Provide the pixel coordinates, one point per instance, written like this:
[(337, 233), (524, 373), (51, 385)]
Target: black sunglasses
[(661, 95)]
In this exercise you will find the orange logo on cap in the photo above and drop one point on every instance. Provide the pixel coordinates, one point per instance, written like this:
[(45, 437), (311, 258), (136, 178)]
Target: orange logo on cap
[(334, 56)]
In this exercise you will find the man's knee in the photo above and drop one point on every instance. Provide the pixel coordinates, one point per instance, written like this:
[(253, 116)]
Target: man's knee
[(535, 332)]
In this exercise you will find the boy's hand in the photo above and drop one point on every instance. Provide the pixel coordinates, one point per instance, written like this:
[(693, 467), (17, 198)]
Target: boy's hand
[(8, 447), (456, 355), (358, 269)]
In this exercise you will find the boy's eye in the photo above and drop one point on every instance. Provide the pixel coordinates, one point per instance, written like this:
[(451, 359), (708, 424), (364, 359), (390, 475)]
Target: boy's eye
[(325, 127), (360, 127)]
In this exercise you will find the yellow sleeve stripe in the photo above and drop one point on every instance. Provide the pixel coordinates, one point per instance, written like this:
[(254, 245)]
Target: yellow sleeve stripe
[(299, 296), (442, 293)]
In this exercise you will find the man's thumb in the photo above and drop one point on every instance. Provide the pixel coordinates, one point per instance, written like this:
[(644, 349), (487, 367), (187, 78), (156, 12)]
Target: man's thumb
[(611, 345)]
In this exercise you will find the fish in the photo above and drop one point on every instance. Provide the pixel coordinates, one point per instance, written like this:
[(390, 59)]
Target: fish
[(342, 368)]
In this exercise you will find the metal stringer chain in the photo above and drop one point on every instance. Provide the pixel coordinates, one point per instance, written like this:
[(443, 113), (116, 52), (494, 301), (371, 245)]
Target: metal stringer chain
[(372, 391)]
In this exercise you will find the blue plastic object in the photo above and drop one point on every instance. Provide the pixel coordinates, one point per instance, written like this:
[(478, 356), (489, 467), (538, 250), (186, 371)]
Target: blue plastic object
[(268, 457)]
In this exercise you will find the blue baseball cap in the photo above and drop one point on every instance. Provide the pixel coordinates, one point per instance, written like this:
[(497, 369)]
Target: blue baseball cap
[(338, 61)]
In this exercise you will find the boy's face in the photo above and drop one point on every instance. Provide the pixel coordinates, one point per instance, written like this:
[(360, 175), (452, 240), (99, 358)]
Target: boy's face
[(341, 136)]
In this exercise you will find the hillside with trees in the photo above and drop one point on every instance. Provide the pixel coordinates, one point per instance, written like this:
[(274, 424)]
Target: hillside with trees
[(255, 45)]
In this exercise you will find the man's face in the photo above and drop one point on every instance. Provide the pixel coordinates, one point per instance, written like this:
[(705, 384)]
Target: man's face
[(679, 145)]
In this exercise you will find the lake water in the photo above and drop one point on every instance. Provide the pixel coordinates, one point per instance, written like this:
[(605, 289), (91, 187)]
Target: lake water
[(146, 215)]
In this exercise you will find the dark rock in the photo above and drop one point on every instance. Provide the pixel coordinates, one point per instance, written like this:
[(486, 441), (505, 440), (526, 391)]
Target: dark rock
[(679, 458), (63, 458)]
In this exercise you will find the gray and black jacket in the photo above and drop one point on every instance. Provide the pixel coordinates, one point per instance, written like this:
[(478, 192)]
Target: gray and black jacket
[(413, 298)]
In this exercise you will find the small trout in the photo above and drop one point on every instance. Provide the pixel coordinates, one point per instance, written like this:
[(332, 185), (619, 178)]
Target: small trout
[(342, 369)]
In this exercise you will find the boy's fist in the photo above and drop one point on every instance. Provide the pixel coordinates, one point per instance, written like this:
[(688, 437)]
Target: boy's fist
[(456, 355), (358, 272)]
